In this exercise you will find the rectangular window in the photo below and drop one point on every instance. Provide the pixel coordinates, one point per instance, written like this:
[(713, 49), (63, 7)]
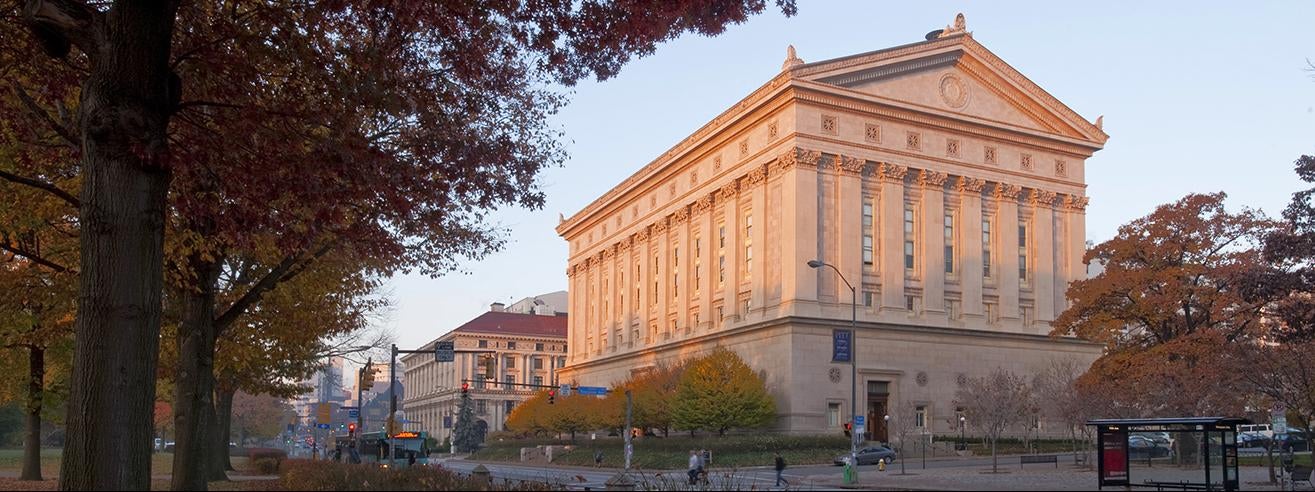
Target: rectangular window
[(908, 303), (1022, 252), (481, 407), (510, 405), (990, 313), (538, 362), (986, 247), (511, 362), (483, 344), (654, 295), (510, 380), (698, 265), (949, 243), (867, 298), (721, 255), (479, 381), (908, 238), (538, 347), (511, 346), (952, 309), (920, 417), (867, 232), (675, 272), (538, 380), (721, 315), (833, 414), (748, 246)]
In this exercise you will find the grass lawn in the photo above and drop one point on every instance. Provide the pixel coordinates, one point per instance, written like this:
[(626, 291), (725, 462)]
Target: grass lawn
[(1300, 459), (11, 460), (657, 453)]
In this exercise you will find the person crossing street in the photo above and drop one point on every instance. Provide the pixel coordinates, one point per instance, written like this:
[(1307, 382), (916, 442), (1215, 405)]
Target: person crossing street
[(780, 468)]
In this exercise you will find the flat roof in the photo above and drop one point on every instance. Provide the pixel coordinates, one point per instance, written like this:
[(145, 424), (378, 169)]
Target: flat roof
[(1173, 420)]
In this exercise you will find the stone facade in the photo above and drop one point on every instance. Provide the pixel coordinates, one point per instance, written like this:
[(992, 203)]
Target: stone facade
[(494, 348), (944, 185)]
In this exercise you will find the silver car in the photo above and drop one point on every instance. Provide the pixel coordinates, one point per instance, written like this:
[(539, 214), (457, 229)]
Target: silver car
[(870, 456)]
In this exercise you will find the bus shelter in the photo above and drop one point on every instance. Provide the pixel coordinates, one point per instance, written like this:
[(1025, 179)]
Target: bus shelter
[(1191, 453)]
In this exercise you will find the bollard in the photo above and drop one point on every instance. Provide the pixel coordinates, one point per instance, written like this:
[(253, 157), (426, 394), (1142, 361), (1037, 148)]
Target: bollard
[(482, 478), (620, 481)]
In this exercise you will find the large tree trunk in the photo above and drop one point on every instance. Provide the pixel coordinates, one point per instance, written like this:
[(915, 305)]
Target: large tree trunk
[(32, 441), (194, 410), (127, 100), (220, 461)]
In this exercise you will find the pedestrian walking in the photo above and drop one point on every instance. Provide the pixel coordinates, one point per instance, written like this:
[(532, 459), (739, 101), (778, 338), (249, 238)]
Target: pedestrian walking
[(598, 458), (705, 460), (780, 468), (695, 464)]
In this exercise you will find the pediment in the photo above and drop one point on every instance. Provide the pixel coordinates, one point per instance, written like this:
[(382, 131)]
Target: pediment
[(958, 76)]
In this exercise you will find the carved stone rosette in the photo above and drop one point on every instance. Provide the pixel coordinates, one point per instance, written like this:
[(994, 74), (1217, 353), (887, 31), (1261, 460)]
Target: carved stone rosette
[(850, 165), (1042, 198), (932, 179), (1005, 191), (970, 185)]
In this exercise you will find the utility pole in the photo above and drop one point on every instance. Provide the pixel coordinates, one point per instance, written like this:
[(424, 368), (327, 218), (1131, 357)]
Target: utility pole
[(628, 430), (392, 406)]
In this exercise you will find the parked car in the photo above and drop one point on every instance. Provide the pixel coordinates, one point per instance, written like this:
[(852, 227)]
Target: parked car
[(1142, 447), (870, 456), (1293, 440)]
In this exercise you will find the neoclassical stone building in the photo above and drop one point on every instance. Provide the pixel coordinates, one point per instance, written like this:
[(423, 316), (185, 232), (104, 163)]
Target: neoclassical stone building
[(946, 186)]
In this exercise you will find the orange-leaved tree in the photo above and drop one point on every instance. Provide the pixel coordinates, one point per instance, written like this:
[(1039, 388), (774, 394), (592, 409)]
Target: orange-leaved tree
[(718, 392), (1170, 299)]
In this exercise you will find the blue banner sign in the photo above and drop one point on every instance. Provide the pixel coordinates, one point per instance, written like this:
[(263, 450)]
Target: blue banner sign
[(842, 345), (591, 390)]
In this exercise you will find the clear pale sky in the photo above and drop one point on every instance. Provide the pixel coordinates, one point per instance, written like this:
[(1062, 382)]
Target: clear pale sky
[(1197, 97)]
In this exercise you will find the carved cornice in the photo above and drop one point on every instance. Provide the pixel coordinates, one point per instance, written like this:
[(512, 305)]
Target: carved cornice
[(1005, 191), (850, 165), (892, 172), (1042, 198), (624, 244), (970, 185), (1074, 202), (702, 204), (757, 176), (681, 215), (729, 191), (932, 179)]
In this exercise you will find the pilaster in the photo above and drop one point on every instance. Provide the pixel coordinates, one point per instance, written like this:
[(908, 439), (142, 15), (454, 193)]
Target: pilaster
[(933, 243), (970, 275), (1006, 196), (892, 236), (799, 222)]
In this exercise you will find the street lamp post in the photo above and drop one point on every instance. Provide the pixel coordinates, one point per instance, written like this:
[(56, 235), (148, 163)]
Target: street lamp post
[(963, 445), (853, 360)]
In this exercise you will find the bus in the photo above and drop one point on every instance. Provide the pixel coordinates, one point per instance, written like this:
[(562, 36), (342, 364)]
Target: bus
[(373, 447)]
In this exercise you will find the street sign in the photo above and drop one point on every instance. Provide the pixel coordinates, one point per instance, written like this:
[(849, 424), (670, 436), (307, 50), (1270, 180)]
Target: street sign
[(322, 426), (591, 390), (564, 390), (842, 345), (353, 413), (1278, 420), (324, 413), (444, 352), (859, 420)]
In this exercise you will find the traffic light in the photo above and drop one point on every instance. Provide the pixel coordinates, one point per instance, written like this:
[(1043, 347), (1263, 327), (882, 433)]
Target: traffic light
[(351, 428), (465, 389), (367, 376), (552, 396), (848, 427)]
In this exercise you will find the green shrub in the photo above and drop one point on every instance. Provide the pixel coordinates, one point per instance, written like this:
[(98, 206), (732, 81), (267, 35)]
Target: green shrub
[(261, 453), (329, 475), (266, 466)]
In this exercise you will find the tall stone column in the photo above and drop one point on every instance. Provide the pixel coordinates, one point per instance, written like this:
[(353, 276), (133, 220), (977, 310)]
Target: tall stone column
[(1043, 220), (707, 261), (892, 236), (757, 187), (645, 258), (799, 227), (849, 232), (683, 290), (1006, 196), (970, 219), (1075, 211), (729, 203), (933, 243), (608, 295), (662, 241), (626, 287)]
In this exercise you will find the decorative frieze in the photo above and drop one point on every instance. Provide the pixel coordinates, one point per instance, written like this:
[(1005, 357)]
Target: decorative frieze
[(642, 235), (850, 165), (660, 226), (1005, 191), (932, 179), (757, 176), (1042, 198), (681, 215), (970, 185), (729, 191), (702, 204), (1074, 202), (893, 172)]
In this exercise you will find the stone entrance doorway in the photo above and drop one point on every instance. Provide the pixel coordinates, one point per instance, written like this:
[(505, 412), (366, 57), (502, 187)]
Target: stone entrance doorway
[(878, 399)]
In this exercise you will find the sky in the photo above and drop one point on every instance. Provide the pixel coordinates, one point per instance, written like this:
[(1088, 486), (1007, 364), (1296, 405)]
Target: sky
[(1197, 97)]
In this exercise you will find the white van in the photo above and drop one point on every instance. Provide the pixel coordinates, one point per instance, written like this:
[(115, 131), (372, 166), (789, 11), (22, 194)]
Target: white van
[(1256, 429)]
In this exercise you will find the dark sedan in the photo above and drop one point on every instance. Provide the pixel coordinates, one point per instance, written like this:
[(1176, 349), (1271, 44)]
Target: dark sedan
[(870, 456)]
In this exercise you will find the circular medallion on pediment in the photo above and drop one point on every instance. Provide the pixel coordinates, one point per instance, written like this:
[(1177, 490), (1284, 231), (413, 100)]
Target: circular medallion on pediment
[(922, 378), (953, 91), (835, 374)]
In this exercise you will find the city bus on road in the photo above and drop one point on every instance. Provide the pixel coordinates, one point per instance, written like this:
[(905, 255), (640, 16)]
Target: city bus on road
[(412, 447)]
